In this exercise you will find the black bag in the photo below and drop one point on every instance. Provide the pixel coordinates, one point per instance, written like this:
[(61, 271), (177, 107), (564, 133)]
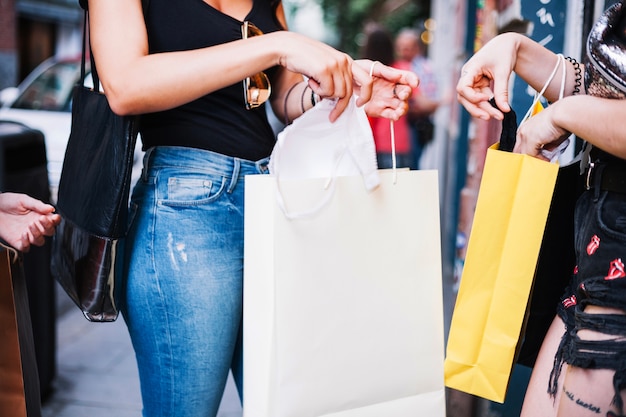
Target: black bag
[(93, 199)]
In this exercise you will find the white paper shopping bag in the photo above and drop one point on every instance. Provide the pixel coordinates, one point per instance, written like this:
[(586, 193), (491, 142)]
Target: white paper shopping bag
[(343, 311)]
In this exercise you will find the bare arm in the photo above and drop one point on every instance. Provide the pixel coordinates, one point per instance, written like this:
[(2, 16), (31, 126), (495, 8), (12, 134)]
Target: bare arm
[(594, 119), (375, 91), (136, 82), (488, 72)]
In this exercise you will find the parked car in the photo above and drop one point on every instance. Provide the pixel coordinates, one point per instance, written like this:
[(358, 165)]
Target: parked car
[(43, 101)]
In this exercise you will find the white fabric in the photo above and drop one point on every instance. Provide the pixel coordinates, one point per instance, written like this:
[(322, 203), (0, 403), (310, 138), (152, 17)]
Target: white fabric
[(312, 147)]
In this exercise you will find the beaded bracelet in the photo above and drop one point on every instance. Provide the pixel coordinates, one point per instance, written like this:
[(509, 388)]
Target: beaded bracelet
[(578, 71), (302, 98), (285, 102), (314, 98)]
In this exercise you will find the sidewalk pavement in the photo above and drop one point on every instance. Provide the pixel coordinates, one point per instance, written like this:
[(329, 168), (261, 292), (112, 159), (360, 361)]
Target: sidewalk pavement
[(97, 373), (96, 370)]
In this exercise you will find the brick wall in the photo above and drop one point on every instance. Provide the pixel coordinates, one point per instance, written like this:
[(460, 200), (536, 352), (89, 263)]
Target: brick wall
[(8, 44), (7, 26)]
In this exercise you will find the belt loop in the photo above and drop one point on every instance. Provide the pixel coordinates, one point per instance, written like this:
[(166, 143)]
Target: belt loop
[(590, 166), (235, 174), (262, 165), (146, 163), (597, 179)]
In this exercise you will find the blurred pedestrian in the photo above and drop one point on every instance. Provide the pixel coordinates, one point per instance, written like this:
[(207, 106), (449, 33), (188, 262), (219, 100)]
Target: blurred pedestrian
[(410, 47)]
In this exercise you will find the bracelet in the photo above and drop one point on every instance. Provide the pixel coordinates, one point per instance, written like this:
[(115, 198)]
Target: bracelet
[(578, 71), (372, 68), (285, 102), (314, 99), (302, 97)]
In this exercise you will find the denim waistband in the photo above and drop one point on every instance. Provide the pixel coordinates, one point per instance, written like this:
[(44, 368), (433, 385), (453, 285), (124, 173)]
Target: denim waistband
[(202, 160), (179, 156)]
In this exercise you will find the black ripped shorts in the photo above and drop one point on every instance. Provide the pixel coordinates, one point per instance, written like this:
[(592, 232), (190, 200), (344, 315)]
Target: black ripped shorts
[(599, 279)]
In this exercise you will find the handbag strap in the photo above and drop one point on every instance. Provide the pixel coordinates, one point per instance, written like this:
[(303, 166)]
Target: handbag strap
[(94, 73), (83, 71)]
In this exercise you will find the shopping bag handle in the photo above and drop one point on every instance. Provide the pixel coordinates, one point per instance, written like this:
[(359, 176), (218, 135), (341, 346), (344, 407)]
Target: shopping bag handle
[(358, 146), (328, 189), (509, 122), (392, 131), (509, 129)]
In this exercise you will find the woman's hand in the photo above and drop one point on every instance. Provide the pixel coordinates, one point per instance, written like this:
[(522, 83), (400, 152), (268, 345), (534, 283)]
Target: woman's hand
[(490, 67), (539, 133), (333, 74), (25, 221), (328, 70), (386, 92)]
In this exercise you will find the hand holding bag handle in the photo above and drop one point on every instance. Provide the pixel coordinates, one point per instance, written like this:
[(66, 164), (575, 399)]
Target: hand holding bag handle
[(491, 308), (352, 132), (552, 277)]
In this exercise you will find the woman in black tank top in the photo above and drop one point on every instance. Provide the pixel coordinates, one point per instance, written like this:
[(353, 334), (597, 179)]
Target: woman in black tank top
[(200, 74)]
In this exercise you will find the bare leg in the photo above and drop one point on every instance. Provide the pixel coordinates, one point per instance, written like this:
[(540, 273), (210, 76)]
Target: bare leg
[(590, 392), (537, 402), (587, 393)]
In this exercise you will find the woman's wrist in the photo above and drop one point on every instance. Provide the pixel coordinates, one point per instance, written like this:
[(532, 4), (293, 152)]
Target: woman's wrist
[(298, 99)]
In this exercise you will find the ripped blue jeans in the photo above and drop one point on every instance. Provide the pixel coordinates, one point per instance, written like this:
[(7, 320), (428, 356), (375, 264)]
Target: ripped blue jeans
[(600, 280), (182, 293)]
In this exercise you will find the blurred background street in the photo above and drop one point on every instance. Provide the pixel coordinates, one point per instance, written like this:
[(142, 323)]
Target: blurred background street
[(96, 370), (89, 369)]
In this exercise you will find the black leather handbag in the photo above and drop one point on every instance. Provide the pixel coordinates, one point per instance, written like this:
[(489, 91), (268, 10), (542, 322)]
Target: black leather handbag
[(93, 199)]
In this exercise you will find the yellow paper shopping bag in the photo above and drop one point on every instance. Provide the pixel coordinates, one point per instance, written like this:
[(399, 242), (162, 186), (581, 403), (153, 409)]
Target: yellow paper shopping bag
[(512, 208)]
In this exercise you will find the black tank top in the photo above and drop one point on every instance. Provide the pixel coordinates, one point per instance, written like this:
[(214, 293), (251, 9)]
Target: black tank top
[(219, 121)]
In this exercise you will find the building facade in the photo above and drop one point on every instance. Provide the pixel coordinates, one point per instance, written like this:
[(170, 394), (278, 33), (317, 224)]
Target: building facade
[(34, 30)]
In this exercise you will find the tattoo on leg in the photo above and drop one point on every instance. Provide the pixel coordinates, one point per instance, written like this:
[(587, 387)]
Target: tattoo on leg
[(584, 404)]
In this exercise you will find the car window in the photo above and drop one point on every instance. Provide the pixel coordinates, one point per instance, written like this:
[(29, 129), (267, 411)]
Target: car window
[(51, 90)]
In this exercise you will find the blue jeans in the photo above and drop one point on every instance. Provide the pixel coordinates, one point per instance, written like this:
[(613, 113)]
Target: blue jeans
[(181, 296)]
